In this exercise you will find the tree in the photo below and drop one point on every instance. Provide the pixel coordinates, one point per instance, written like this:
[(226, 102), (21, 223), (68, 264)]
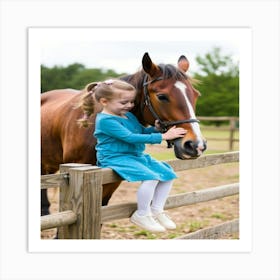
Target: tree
[(219, 85), (59, 76), (74, 76)]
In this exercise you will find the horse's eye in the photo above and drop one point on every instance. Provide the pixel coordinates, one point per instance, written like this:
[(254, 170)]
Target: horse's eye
[(163, 97)]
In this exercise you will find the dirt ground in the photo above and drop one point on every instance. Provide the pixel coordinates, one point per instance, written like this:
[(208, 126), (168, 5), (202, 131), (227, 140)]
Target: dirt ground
[(187, 218)]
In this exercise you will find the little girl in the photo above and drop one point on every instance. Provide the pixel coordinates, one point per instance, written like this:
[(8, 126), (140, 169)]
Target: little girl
[(120, 146)]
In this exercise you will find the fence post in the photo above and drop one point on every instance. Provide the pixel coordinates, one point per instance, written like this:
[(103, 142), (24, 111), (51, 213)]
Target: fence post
[(67, 199), (231, 133), (92, 193)]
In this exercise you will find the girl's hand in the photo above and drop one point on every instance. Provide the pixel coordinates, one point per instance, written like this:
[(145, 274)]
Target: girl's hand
[(173, 133)]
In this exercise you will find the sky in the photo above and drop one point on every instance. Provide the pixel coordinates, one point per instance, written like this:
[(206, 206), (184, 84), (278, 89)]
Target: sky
[(124, 53)]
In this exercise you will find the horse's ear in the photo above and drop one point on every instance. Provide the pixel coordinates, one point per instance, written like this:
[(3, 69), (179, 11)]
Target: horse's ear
[(183, 63), (149, 67)]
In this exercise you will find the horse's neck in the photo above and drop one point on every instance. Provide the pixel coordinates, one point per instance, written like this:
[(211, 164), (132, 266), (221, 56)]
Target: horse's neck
[(141, 112), (136, 111), (137, 81)]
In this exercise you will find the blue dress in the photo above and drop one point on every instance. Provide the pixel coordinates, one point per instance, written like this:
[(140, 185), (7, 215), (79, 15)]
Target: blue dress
[(121, 144)]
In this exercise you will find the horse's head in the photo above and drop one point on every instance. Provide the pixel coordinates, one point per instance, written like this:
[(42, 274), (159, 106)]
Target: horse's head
[(170, 98)]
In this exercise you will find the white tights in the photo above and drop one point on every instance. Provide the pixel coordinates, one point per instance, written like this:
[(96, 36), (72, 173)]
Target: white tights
[(152, 195)]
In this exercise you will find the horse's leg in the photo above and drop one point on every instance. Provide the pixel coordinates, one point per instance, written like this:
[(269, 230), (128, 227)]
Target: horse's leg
[(108, 190), (45, 204)]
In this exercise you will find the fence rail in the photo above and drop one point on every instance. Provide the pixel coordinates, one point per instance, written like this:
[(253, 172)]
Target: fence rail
[(233, 121), (81, 211)]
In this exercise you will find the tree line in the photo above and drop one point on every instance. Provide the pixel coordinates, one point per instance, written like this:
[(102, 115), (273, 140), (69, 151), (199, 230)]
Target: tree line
[(217, 76)]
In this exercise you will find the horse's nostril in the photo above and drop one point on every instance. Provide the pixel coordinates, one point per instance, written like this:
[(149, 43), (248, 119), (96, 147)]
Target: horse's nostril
[(193, 148), (190, 147)]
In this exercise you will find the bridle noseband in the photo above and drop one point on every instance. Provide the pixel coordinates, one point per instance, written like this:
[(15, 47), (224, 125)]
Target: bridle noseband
[(147, 101)]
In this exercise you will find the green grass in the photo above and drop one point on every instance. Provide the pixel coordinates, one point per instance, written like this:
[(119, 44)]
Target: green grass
[(219, 145), (217, 133), (165, 155), (173, 235), (145, 233), (196, 225), (219, 216)]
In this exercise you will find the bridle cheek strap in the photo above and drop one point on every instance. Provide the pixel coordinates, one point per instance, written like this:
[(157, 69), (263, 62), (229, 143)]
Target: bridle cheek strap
[(147, 101)]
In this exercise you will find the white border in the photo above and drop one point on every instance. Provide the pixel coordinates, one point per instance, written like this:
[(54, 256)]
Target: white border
[(262, 16), (40, 36)]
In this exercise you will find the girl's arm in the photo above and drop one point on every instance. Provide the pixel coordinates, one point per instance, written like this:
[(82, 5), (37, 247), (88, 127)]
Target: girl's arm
[(150, 129), (115, 129)]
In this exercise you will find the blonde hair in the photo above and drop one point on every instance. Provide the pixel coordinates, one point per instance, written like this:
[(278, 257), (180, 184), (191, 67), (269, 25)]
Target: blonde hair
[(107, 89)]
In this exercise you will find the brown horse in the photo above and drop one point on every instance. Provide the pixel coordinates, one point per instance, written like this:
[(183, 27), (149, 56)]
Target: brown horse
[(164, 93)]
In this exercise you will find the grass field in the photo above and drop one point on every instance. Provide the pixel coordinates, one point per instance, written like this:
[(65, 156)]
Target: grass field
[(219, 145)]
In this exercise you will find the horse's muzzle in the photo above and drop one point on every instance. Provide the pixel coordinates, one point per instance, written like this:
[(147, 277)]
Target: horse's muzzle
[(188, 149)]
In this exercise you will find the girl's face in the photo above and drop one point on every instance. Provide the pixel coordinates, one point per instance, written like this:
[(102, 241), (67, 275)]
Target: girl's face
[(120, 104)]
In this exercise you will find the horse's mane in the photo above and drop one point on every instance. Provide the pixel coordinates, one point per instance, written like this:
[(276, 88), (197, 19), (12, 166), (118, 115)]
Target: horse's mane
[(168, 71)]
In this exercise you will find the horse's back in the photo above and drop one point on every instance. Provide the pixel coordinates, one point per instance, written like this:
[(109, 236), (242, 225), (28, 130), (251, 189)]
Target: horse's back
[(58, 95), (57, 106), (61, 138)]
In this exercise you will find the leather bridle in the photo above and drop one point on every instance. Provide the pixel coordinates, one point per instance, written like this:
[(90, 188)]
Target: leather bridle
[(147, 101)]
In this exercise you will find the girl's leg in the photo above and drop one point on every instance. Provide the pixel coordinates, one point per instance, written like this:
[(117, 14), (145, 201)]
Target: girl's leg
[(160, 196), (145, 195), (161, 193), (143, 216)]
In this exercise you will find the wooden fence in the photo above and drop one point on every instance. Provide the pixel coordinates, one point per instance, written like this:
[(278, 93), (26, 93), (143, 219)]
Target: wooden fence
[(81, 212), (233, 126)]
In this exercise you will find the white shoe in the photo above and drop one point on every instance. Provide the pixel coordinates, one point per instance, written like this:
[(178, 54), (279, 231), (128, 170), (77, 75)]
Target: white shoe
[(164, 220), (146, 222)]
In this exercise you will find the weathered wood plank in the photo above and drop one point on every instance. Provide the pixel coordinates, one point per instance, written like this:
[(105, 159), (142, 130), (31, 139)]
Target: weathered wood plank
[(92, 204), (221, 118), (61, 178), (214, 232), (74, 200), (53, 180), (58, 219), (65, 193), (120, 211), (109, 176), (191, 198), (209, 128), (204, 161)]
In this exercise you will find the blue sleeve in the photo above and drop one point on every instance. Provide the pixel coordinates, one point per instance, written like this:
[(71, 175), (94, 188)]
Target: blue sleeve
[(145, 130), (115, 129), (150, 129)]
